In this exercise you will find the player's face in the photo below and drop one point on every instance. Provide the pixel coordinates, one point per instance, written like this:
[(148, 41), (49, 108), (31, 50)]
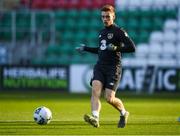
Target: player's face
[(107, 18)]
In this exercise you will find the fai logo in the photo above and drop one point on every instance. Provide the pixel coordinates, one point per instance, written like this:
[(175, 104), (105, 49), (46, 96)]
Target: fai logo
[(110, 35)]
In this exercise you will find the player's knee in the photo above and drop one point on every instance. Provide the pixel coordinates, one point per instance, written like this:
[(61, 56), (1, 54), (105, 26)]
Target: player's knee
[(109, 98), (96, 92)]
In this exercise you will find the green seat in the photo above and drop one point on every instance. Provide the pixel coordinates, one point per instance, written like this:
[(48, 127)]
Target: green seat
[(59, 25), (123, 14), (52, 50), (6, 20), (66, 49), (77, 59), (80, 35), (121, 22), (157, 23), (172, 13), (23, 20), (69, 23), (134, 35), (146, 23), (84, 13), (60, 14), (6, 36), (83, 23), (67, 35), (20, 35), (92, 34), (95, 13), (72, 13), (64, 59), (159, 13), (143, 36), (42, 19), (132, 23), (146, 13), (51, 60), (95, 23), (90, 59)]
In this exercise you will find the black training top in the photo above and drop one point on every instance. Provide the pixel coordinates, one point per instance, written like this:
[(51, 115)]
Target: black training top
[(116, 36)]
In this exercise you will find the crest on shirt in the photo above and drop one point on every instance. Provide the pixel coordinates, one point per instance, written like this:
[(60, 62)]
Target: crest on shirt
[(110, 35)]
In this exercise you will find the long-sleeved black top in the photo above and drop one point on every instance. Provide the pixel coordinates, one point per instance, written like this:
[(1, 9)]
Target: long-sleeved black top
[(116, 36)]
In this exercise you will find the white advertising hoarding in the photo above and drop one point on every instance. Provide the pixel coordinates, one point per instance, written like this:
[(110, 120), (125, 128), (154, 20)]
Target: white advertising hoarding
[(133, 78), (80, 76)]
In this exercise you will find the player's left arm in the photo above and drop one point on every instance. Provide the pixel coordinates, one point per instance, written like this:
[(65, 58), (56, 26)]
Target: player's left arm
[(125, 44)]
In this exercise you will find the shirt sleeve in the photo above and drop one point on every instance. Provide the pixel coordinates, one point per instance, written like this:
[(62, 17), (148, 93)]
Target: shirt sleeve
[(125, 44), (91, 49)]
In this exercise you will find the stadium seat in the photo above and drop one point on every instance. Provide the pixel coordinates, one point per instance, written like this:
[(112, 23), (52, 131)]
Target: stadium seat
[(143, 36), (169, 51), (133, 23), (169, 36), (178, 54), (84, 13), (121, 5), (80, 35), (158, 13), (52, 50), (142, 51), (178, 37), (42, 18), (6, 20), (157, 23), (59, 25), (146, 13), (23, 20), (92, 35), (146, 5), (134, 4), (95, 23), (159, 4), (70, 24), (83, 24), (156, 37), (60, 14), (170, 24), (67, 35), (134, 35), (169, 55), (72, 13), (121, 22), (172, 4), (38, 4), (3, 55), (171, 13), (146, 23), (155, 51)]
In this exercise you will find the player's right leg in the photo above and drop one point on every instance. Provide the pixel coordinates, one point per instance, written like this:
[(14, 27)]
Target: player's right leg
[(95, 104), (94, 121)]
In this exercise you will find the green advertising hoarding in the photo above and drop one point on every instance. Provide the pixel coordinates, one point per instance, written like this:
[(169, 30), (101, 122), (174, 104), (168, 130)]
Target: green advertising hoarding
[(34, 77)]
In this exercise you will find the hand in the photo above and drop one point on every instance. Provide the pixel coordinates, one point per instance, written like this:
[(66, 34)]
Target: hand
[(111, 47), (81, 48)]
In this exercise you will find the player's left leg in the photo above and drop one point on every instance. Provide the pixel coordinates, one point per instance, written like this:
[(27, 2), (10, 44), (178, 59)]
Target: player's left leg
[(118, 104)]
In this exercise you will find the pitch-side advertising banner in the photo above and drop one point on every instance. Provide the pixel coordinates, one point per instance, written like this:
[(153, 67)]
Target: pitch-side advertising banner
[(133, 78), (34, 77)]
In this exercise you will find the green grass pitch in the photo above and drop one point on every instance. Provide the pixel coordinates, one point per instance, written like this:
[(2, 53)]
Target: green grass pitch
[(149, 115)]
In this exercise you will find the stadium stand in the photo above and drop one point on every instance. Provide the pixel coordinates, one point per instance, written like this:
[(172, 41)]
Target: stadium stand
[(52, 28)]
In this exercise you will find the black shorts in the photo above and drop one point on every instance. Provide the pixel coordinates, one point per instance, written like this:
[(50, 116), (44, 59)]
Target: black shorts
[(109, 76)]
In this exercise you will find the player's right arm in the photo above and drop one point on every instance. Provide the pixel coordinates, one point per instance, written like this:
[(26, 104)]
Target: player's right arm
[(83, 48)]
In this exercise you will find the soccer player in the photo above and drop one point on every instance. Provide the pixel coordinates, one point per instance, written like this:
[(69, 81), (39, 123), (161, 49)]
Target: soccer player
[(113, 41)]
